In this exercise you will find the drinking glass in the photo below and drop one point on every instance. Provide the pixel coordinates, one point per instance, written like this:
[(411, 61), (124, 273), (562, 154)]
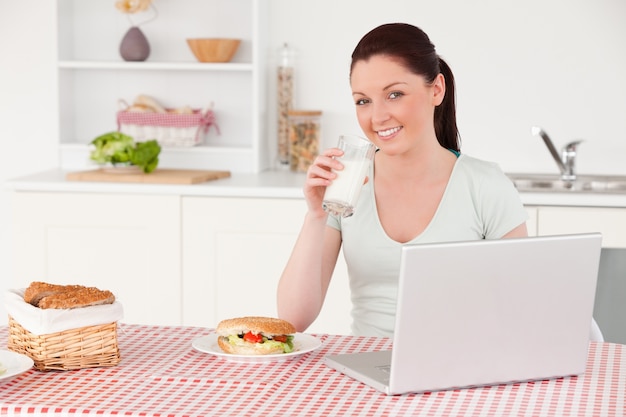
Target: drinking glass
[(343, 193)]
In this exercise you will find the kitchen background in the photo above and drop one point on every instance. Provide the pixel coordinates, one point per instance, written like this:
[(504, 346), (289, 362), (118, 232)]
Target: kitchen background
[(557, 64)]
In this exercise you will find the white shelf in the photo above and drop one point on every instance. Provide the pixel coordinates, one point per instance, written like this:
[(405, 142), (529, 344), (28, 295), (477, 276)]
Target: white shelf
[(76, 157), (93, 79), (159, 66), (82, 147)]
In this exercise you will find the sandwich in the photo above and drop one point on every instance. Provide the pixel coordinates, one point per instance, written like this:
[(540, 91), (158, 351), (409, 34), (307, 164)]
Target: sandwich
[(255, 336)]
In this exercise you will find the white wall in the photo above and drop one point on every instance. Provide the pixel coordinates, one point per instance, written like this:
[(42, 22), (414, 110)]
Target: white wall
[(27, 105), (559, 64)]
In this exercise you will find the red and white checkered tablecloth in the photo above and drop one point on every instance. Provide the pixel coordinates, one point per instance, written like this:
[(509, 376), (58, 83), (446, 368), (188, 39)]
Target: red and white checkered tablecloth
[(162, 375)]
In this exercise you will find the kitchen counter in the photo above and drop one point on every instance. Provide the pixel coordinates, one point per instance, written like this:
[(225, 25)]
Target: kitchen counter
[(267, 184)]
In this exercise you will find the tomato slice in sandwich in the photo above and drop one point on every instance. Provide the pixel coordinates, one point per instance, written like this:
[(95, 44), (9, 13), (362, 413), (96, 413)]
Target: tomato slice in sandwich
[(253, 338)]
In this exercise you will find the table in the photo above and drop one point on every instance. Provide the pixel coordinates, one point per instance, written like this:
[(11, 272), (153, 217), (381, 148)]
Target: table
[(162, 375)]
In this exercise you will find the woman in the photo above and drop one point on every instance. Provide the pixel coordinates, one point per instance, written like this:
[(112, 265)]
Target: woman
[(420, 188)]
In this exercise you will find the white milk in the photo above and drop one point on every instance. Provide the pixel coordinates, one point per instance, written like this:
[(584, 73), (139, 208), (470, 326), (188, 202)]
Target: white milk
[(347, 186)]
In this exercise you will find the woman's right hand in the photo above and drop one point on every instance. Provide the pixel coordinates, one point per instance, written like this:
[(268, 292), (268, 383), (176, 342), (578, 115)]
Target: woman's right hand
[(319, 176)]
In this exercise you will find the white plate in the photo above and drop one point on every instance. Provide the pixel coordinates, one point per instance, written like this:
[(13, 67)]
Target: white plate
[(302, 343), (14, 363)]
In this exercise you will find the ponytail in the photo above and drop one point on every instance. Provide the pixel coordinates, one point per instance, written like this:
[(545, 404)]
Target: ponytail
[(445, 114)]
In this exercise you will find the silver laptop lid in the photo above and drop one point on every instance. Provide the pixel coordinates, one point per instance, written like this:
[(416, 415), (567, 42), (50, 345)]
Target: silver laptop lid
[(484, 312)]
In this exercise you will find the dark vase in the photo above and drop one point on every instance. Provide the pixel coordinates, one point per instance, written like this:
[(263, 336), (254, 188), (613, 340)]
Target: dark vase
[(134, 45)]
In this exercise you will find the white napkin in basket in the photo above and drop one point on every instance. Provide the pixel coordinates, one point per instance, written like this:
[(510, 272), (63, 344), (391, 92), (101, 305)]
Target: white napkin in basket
[(45, 321)]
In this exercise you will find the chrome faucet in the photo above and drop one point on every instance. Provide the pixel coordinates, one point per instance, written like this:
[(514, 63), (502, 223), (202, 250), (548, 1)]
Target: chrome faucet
[(567, 160)]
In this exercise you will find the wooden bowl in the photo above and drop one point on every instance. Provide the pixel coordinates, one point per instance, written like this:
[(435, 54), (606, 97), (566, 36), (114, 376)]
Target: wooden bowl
[(213, 49)]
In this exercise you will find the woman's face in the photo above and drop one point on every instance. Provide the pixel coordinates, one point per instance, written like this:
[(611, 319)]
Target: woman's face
[(394, 106)]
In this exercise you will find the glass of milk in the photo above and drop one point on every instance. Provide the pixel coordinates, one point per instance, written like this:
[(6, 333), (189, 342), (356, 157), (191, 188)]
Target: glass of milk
[(342, 195)]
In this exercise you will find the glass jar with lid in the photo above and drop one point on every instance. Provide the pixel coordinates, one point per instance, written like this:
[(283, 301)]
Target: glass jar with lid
[(284, 98), (304, 138)]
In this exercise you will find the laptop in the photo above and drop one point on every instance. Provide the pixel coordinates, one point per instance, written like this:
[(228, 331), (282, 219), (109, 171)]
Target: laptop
[(486, 312)]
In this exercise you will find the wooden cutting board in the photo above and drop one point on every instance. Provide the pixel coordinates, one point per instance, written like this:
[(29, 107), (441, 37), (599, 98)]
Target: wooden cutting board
[(158, 176)]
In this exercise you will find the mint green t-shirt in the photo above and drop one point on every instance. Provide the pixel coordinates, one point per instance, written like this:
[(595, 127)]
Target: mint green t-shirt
[(479, 202)]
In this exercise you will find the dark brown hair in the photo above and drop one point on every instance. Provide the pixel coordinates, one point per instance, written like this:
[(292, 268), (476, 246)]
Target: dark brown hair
[(412, 47)]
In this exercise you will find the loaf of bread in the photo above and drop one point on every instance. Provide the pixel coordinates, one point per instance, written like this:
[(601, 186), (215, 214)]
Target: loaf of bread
[(44, 295)]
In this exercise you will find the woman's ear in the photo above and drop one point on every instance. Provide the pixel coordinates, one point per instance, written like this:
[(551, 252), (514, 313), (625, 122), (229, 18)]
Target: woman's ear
[(439, 89)]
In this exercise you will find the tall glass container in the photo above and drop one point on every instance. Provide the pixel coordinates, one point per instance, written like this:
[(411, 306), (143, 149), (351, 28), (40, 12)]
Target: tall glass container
[(304, 138), (285, 102)]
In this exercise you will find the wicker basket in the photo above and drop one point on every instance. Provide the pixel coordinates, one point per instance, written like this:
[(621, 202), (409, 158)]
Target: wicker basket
[(85, 347), (169, 129)]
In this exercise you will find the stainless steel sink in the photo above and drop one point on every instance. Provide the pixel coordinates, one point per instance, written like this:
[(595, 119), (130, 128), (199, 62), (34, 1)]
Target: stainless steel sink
[(582, 184)]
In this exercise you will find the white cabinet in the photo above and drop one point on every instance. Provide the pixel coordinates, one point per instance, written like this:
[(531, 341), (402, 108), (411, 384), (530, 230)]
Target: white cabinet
[(93, 77), (195, 260), (611, 222), (168, 259), (609, 310), (234, 251), (127, 244)]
